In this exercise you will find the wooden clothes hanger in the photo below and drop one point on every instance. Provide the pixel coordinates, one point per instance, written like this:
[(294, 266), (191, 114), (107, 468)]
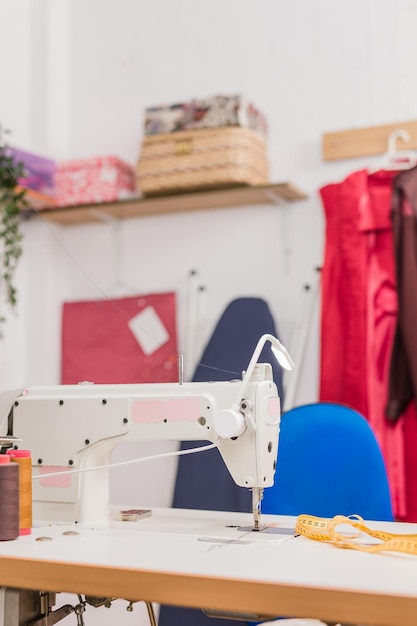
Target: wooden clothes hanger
[(395, 159)]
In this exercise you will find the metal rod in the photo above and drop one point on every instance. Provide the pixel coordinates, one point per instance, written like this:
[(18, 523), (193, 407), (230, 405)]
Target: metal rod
[(181, 368), (151, 613)]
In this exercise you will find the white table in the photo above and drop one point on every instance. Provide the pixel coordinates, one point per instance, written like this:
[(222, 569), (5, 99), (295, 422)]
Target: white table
[(194, 558)]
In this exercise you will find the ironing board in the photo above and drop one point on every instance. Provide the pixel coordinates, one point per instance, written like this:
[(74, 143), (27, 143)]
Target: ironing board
[(203, 481)]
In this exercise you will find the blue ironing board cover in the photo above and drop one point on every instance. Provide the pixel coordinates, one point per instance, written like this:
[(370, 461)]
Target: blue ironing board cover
[(203, 481)]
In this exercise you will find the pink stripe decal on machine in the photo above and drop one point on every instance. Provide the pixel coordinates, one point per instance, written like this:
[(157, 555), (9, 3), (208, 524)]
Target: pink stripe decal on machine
[(172, 410), (63, 481), (274, 408)]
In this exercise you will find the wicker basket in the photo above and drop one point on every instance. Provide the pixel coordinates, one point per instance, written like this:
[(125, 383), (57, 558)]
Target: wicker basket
[(201, 159)]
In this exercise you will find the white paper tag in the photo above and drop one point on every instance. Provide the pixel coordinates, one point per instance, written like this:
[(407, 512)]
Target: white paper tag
[(148, 329)]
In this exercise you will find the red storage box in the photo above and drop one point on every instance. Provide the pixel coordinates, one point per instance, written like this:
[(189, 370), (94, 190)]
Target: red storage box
[(100, 179)]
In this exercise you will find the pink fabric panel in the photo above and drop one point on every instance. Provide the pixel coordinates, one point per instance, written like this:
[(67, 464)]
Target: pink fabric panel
[(100, 346)]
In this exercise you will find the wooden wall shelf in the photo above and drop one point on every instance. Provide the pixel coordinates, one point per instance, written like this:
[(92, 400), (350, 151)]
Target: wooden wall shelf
[(224, 198)]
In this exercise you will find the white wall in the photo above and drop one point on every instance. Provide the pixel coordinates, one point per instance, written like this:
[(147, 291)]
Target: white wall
[(76, 77)]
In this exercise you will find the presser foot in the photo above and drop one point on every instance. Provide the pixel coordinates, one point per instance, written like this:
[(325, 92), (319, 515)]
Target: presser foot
[(257, 527)]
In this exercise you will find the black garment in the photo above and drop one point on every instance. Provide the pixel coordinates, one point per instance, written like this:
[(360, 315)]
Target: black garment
[(403, 367)]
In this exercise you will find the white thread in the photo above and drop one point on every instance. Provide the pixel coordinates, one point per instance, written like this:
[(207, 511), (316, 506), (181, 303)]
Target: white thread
[(111, 300), (130, 462)]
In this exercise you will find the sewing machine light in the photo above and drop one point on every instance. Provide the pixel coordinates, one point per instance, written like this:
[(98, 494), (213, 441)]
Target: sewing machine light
[(231, 422), (281, 354), (283, 357)]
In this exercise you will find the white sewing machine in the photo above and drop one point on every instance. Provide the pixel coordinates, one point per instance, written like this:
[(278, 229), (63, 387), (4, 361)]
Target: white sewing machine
[(72, 429)]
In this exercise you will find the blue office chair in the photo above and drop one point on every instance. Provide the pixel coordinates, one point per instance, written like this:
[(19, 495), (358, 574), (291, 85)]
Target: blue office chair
[(329, 463)]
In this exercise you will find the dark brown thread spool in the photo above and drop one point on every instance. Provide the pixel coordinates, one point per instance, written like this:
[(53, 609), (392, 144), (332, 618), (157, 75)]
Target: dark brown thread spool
[(24, 461), (9, 499)]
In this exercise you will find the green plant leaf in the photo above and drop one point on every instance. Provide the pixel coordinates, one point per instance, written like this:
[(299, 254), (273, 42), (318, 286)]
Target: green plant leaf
[(12, 202)]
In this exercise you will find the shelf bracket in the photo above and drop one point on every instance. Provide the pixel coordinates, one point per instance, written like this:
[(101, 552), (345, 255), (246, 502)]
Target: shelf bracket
[(103, 216), (273, 197)]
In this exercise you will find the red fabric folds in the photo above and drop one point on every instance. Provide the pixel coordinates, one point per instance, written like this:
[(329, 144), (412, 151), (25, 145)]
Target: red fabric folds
[(358, 317)]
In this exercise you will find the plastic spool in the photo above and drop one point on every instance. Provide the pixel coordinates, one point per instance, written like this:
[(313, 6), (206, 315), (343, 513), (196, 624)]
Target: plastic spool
[(9, 499), (23, 459)]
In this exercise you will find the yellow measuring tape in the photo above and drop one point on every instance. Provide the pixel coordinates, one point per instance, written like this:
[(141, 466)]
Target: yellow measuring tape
[(323, 529)]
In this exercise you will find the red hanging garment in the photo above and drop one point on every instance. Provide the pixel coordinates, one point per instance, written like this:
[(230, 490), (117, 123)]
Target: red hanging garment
[(343, 320), (126, 340), (359, 309)]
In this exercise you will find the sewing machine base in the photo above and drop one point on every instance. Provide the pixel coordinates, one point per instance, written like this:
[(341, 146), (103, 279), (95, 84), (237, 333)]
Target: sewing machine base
[(26, 607), (273, 530)]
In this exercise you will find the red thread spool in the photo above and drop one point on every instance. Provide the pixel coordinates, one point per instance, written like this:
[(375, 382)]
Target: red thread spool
[(9, 499), (24, 461)]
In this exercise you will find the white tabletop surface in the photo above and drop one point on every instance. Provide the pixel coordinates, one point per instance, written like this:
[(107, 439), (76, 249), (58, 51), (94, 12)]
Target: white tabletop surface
[(198, 558)]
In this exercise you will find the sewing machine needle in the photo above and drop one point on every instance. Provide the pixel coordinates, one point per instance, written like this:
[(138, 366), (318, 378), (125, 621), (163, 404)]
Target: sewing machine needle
[(257, 495)]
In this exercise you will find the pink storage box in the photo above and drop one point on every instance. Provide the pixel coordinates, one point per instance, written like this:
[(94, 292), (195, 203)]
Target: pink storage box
[(100, 179)]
